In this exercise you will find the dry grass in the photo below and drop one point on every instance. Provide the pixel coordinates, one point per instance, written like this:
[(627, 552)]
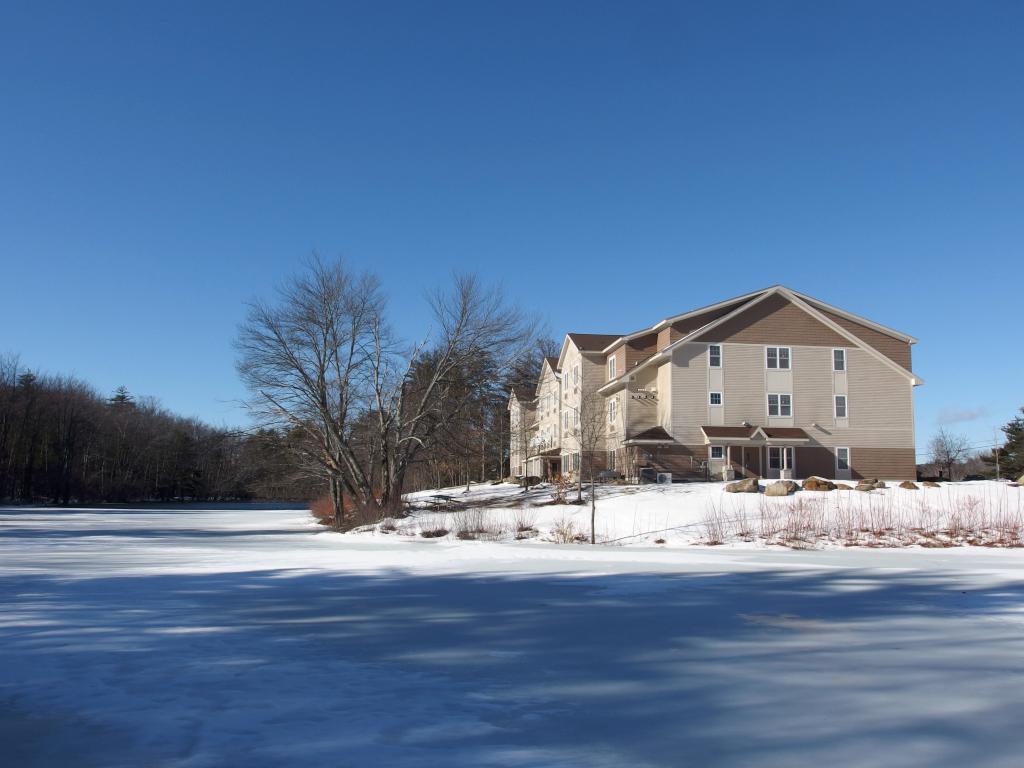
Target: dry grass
[(992, 517), (565, 532)]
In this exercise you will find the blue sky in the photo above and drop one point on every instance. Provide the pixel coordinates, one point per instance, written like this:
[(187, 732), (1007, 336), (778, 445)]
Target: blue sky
[(161, 163)]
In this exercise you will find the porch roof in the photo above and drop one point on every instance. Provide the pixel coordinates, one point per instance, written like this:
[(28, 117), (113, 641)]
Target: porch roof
[(755, 435), (652, 435), (549, 453)]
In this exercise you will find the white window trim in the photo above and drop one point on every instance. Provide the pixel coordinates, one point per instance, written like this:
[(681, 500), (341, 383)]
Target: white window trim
[(789, 358), (846, 406), (782, 449), (845, 362), (721, 399), (612, 373), (848, 459), (721, 356), (780, 414), (613, 410), (711, 452)]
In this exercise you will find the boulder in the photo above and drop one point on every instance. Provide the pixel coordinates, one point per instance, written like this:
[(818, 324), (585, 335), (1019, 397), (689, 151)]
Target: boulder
[(843, 487), (749, 485), (880, 484), (865, 485), (906, 484), (817, 484), (930, 484), (781, 488), (1020, 480)]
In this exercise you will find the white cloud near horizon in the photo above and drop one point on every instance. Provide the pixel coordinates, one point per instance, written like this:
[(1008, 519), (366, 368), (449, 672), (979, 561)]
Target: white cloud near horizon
[(957, 415)]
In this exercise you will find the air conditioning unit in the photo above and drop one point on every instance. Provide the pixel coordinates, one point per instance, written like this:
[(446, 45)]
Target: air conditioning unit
[(664, 478)]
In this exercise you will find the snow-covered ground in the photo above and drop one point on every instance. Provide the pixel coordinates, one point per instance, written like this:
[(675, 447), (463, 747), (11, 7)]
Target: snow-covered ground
[(193, 638), (690, 513)]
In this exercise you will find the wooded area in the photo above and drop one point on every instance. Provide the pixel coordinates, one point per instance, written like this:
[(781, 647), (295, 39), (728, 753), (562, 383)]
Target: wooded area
[(62, 441)]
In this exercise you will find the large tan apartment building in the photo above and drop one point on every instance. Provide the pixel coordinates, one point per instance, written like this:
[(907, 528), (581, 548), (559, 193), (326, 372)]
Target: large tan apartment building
[(771, 384)]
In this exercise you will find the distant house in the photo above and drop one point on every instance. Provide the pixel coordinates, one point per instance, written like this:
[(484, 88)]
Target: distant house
[(772, 384)]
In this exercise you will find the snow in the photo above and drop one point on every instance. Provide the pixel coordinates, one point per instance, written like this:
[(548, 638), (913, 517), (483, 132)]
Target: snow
[(677, 514), (212, 637)]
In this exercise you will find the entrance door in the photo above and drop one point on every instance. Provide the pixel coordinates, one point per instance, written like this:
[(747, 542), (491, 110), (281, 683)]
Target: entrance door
[(775, 457), (751, 465)]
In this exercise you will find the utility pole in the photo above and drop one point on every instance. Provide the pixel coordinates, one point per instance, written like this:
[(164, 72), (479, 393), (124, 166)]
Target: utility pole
[(995, 440)]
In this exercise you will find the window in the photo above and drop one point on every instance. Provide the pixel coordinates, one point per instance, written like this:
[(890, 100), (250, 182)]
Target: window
[(612, 407), (780, 405), (840, 406), (611, 460), (611, 368), (775, 458), (714, 398), (842, 459), (575, 417), (838, 359), (777, 358), (576, 462), (717, 452), (575, 374), (714, 355), (565, 420)]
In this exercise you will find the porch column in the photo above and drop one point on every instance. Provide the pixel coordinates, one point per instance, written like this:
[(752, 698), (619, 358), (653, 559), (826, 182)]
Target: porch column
[(785, 464)]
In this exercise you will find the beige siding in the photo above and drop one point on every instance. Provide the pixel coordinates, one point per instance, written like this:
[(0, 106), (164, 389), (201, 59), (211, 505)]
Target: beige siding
[(665, 395), (642, 402), (880, 403), (689, 392), (743, 372)]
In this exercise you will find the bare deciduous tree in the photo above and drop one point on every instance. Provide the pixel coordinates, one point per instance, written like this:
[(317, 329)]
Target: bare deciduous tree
[(323, 360), (305, 357), (588, 436), (949, 450)]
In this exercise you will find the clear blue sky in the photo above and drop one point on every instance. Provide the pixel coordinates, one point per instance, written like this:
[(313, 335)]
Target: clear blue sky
[(161, 163)]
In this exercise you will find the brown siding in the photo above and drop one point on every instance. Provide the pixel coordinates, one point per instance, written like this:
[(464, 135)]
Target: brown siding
[(688, 325), (682, 461), (775, 320), (815, 461), (883, 463), (640, 349), (896, 350)]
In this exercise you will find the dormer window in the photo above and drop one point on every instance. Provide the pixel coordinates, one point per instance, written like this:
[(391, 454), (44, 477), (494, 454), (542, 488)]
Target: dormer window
[(611, 368)]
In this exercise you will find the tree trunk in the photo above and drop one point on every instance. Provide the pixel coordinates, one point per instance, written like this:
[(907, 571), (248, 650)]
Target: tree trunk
[(337, 502)]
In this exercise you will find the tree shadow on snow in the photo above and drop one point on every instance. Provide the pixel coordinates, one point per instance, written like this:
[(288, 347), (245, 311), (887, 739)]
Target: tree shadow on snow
[(773, 668)]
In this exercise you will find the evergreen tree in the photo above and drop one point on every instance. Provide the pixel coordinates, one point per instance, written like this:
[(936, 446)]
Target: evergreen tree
[(121, 398), (1011, 455)]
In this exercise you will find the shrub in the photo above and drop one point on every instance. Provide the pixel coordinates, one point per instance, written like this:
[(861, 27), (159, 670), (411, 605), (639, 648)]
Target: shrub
[(565, 532), (323, 510), (434, 533)]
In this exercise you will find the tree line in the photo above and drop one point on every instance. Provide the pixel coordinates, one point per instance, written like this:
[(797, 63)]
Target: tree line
[(62, 441)]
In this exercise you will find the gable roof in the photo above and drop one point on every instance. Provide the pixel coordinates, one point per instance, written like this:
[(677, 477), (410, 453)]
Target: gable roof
[(753, 300), (593, 342)]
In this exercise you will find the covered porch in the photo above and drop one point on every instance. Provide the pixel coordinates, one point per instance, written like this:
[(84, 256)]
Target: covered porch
[(754, 451), (545, 464)]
